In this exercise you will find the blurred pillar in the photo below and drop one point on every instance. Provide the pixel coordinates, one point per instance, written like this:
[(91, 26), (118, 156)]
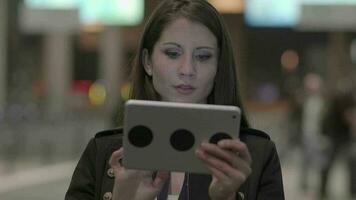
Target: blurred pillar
[(57, 62), (110, 64), (3, 54), (338, 60), (240, 48)]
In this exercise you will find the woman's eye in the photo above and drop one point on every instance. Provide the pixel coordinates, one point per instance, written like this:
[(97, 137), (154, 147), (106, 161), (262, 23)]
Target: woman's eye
[(203, 57), (172, 54)]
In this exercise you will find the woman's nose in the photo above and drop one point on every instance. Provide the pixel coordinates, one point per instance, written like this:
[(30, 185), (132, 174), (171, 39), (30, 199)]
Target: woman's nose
[(187, 67)]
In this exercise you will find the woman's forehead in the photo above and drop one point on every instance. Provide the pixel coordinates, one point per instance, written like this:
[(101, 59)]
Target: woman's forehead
[(183, 30)]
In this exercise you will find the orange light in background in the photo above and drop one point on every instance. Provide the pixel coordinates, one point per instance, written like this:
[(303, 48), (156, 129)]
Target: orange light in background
[(228, 6), (97, 94), (290, 60), (93, 28), (89, 41), (39, 88)]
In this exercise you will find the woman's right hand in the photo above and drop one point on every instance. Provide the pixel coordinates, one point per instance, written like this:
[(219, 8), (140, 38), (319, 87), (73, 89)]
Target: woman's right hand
[(135, 184)]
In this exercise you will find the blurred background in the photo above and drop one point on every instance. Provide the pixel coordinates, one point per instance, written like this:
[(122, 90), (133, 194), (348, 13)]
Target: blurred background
[(64, 68)]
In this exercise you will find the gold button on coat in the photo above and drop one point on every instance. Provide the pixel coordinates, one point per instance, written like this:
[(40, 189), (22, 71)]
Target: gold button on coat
[(242, 196), (107, 196), (111, 173)]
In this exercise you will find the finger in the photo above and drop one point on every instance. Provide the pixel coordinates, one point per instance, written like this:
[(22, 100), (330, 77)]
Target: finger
[(115, 158), (146, 176), (243, 166), (160, 179), (235, 161), (218, 174), (211, 161), (228, 183), (220, 153), (240, 173), (227, 156), (223, 185), (157, 183), (230, 177), (236, 146), (232, 180)]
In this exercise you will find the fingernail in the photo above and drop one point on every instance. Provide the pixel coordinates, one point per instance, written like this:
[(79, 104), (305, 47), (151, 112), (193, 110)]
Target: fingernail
[(199, 152), (204, 144)]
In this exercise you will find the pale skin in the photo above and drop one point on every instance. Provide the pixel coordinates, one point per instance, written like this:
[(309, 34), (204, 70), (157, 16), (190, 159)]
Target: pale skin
[(183, 66)]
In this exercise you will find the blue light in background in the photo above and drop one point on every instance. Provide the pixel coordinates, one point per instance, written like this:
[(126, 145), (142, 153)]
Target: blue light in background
[(282, 13), (52, 4), (109, 12), (328, 2), (272, 13)]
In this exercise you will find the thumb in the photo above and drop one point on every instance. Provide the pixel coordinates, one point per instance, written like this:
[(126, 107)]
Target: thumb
[(115, 158), (160, 179)]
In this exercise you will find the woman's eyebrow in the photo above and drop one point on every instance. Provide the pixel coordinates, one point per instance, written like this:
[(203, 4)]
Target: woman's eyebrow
[(206, 47), (178, 45), (172, 43)]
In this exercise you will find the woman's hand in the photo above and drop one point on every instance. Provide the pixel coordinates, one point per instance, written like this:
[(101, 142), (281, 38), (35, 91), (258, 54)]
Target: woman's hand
[(134, 184), (229, 162)]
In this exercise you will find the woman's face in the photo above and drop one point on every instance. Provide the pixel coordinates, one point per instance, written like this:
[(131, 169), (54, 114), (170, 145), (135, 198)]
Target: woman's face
[(183, 63)]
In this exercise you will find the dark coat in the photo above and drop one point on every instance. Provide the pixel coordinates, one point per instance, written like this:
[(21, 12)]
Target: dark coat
[(93, 178)]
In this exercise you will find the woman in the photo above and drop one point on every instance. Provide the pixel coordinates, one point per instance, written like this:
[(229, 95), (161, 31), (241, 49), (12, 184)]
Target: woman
[(185, 55)]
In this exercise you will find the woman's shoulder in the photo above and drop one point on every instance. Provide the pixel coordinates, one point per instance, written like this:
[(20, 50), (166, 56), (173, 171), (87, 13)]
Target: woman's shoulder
[(111, 138), (254, 133), (257, 141), (266, 177), (105, 134)]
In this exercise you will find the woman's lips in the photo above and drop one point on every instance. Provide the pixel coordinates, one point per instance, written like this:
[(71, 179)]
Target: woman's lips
[(185, 89)]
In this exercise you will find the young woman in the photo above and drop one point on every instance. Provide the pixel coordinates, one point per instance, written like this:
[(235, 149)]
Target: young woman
[(185, 55)]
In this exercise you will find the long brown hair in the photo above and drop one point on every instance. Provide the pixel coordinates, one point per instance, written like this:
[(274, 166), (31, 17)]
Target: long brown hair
[(225, 90)]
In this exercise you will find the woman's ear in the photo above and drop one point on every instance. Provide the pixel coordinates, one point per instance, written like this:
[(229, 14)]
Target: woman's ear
[(147, 64)]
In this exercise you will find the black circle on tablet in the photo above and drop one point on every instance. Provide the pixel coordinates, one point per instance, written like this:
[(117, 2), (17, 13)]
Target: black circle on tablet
[(182, 140), (219, 136), (140, 136)]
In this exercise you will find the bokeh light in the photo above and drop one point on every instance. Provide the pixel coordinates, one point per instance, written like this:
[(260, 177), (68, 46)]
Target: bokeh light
[(97, 93), (82, 86), (125, 91), (290, 60), (268, 93)]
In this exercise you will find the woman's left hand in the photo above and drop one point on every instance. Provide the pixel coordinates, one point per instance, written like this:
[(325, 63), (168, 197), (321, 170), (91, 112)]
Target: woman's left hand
[(229, 162)]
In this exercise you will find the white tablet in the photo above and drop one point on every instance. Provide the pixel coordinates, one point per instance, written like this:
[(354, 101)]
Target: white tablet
[(164, 135)]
